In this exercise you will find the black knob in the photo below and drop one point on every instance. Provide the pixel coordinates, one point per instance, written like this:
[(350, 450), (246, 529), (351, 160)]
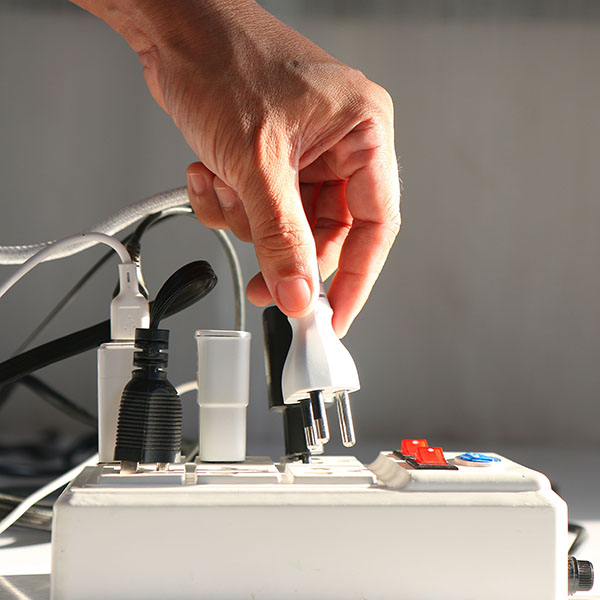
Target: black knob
[(581, 575)]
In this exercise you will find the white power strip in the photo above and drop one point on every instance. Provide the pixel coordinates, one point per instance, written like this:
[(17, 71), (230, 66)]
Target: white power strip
[(332, 529)]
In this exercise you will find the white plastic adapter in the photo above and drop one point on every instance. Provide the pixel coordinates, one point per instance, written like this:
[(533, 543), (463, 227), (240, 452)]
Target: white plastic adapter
[(317, 360), (115, 363), (223, 390)]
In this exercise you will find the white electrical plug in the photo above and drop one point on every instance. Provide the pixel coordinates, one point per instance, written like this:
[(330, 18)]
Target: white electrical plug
[(128, 310), (317, 360), (318, 369)]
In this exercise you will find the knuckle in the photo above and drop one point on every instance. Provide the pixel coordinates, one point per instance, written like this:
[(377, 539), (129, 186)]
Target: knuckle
[(276, 239), (330, 224), (212, 221), (391, 224), (368, 95), (385, 98), (379, 101), (261, 168), (393, 227), (242, 233), (388, 232)]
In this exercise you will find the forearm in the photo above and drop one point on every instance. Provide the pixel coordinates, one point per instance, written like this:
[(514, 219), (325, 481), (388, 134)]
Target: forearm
[(162, 24)]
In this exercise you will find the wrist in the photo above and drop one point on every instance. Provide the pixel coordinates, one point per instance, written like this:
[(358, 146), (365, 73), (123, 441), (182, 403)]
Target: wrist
[(164, 24)]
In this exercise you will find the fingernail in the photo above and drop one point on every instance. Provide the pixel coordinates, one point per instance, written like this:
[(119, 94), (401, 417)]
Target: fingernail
[(197, 183), (226, 196), (293, 294)]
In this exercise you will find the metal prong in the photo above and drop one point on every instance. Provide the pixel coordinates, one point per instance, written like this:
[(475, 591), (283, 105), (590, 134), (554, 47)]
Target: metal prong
[(310, 427), (128, 467), (319, 449), (345, 417), (318, 406)]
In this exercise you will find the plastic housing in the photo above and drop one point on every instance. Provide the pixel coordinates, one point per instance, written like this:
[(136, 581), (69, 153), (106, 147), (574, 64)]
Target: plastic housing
[(128, 309), (317, 360), (115, 361), (327, 530), (223, 390)]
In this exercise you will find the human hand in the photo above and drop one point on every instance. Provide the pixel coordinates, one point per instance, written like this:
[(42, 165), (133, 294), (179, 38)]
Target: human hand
[(296, 148)]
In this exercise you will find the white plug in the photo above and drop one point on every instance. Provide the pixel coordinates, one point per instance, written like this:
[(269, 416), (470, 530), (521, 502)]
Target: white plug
[(317, 360), (319, 368), (128, 310)]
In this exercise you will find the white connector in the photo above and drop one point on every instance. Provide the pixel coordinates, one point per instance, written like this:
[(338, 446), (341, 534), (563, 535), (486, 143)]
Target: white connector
[(318, 369), (128, 310), (317, 360)]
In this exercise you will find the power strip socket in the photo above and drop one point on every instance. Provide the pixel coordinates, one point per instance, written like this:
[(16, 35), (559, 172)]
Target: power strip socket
[(334, 529)]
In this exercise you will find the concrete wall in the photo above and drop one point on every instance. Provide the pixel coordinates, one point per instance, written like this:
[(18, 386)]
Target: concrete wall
[(484, 324)]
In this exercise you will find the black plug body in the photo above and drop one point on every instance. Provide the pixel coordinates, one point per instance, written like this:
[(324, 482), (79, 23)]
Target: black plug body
[(278, 337), (150, 416)]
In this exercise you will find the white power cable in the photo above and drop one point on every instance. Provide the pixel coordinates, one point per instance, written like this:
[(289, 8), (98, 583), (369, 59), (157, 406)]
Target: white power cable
[(188, 386), (178, 197), (55, 248), (16, 513), (238, 279), (15, 255)]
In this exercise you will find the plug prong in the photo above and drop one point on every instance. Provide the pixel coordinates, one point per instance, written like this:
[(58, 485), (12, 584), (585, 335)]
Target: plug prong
[(310, 427), (128, 467), (318, 406), (345, 416)]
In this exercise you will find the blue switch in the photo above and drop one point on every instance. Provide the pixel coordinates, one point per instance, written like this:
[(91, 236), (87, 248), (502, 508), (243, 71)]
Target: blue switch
[(477, 457)]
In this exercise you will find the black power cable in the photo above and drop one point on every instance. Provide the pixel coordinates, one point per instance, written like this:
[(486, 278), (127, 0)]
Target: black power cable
[(47, 457), (52, 352), (59, 401), (7, 390), (185, 287), (62, 348), (580, 534)]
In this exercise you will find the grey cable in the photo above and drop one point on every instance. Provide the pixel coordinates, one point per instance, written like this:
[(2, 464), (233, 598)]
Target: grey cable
[(238, 279), (226, 243), (14, 255), (192, 454)]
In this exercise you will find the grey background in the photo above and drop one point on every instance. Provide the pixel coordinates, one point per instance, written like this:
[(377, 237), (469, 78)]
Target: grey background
[(483, 328)]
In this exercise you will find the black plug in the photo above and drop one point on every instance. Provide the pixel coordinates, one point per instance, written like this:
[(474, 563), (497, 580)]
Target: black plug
[(278, 338), (150, 416)]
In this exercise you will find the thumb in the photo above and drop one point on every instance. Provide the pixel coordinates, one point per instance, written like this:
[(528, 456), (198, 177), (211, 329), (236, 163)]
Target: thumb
[(284, 244)]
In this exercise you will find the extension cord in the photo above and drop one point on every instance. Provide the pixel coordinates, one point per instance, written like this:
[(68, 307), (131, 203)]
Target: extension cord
[(331, 529)]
